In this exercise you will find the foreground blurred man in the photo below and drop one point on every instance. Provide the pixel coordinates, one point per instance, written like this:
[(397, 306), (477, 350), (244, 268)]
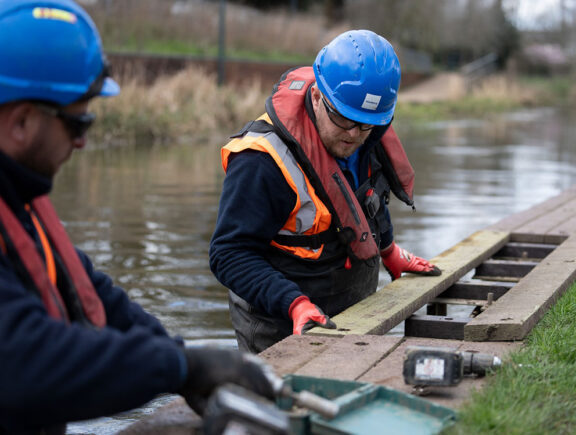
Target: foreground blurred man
[(303, 220), (72, 345)]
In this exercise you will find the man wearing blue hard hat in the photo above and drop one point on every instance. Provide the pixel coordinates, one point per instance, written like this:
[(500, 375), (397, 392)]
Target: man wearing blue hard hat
[(72, 345), (303, 221)]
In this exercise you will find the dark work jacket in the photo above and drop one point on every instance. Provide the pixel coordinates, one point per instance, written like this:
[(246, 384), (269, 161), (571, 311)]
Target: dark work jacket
[(52, 372)]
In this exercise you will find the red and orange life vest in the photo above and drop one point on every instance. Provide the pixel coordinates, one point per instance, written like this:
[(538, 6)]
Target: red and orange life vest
[(313, 173), (43, 275)]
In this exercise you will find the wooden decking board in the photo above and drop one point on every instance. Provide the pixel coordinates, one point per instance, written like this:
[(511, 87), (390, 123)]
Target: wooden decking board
[(554, 239), (549, 222), (295, 351), (518, 311), (386, 308), (565, 228), (350, 357), (512, 222)]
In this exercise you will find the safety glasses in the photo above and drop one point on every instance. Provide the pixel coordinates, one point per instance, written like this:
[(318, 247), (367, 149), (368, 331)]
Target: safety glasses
[(76, 124), (341, 121)]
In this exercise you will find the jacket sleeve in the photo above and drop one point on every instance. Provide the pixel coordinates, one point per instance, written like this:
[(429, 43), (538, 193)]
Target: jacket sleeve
[(52, 372), (255, 203)]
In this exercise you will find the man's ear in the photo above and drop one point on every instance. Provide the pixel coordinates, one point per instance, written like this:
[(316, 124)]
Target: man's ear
[(18, 124), (19, 121)]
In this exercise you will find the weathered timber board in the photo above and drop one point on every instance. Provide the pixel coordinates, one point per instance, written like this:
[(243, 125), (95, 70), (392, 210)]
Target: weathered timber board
[(288, 355), (565, 228), (388, 372), (350, 357), (513, 315), (549, 207), (392, 304), (450, 328), (475, 289), (551, 221)]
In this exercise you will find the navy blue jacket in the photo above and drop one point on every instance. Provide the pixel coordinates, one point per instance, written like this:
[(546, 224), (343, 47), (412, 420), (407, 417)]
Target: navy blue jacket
[(51, 372), (255, 203)]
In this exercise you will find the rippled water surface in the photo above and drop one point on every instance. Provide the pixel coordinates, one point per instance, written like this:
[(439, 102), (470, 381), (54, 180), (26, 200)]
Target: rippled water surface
[(145, 215)]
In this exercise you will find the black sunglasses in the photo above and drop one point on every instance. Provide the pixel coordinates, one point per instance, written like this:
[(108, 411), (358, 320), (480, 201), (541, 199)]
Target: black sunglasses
[(341, 121), (76, 124)]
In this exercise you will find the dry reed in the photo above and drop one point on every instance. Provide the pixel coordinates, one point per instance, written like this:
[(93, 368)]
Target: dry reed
[(186, 106)]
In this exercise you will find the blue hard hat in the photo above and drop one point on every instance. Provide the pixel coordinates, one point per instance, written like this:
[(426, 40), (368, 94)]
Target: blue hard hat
[(359, 73), (50, 50)]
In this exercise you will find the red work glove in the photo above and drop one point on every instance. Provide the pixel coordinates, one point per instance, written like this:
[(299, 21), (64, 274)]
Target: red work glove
[(305, 316), (397, 260)]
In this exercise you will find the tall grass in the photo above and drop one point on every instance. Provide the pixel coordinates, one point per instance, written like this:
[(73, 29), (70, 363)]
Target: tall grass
[(186, 107), (535, 393)]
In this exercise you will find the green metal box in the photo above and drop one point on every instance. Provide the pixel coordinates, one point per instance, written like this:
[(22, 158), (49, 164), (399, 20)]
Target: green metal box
[(365, 409)]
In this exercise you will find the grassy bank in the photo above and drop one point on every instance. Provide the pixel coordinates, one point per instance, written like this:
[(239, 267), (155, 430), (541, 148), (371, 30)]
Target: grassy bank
[(535, 393), (190, 107)]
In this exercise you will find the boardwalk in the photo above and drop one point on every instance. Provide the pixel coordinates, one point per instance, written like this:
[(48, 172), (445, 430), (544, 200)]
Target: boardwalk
[(509, 274)]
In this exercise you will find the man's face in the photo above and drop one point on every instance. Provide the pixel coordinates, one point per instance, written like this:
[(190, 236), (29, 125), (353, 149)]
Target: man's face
[(51, 142), (339, 142)]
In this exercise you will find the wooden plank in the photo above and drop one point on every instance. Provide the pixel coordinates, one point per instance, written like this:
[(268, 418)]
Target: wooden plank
[(392, 304), (295, 351), (350, 357), (513, 222), (450, 328), (514, 315), (566, 228), (459, 301), (548, 222), (476, 289), (554, 239), (505, 268), (525, 250)]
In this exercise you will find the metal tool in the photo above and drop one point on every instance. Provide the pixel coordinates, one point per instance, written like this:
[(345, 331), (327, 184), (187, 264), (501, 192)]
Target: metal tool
[(304, 399), (437, 366)]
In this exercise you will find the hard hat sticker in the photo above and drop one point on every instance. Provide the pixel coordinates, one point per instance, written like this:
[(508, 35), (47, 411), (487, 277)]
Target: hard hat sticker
[(371, 101), (296, 85), (54, 14)]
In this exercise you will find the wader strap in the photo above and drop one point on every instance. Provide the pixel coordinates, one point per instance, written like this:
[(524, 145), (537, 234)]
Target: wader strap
[(313, 241)]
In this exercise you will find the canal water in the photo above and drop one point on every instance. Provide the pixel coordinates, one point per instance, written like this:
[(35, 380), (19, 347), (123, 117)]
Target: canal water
[(145, 214)]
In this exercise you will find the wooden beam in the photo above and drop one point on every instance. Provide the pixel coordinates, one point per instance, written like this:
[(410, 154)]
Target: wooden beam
[(514, 315), (448, 328), (392, 304), (350, 357), (476, 289), (505, 268), (513, 222), (525, 250), (549, 222)]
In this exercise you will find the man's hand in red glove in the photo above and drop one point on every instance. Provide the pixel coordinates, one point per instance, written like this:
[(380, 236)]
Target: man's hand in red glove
[(397, 260), (305, 316)]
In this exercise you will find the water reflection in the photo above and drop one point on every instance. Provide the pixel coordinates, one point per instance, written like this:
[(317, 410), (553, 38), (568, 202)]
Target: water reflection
[(145, 215)]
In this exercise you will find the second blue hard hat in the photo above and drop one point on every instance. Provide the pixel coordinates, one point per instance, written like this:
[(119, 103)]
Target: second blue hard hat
[(50, 50), (359, 73)]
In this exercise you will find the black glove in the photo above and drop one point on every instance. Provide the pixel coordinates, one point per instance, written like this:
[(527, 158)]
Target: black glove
[(209, 368)]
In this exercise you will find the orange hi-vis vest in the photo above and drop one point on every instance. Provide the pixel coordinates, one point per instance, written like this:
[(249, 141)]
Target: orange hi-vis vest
[(325, 201), (15, 239)]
